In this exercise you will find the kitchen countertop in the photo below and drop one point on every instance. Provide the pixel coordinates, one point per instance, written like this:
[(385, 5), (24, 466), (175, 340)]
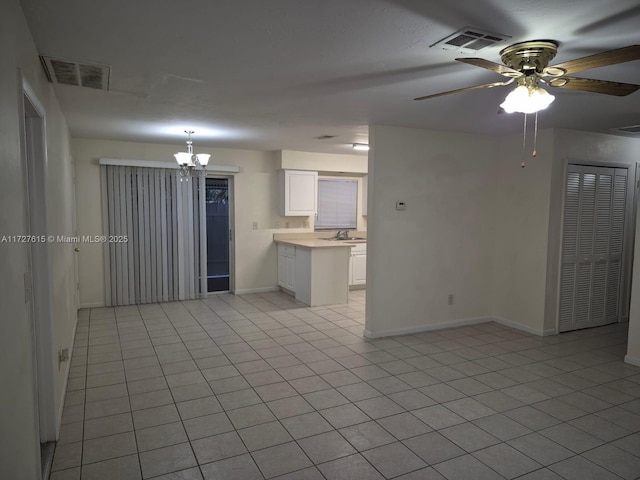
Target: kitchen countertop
[(319, 242)]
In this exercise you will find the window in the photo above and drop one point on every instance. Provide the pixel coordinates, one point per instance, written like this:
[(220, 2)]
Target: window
[(337, 204)]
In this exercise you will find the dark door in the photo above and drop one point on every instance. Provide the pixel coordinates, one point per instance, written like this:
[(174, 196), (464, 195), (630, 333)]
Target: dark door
[(217, 234)]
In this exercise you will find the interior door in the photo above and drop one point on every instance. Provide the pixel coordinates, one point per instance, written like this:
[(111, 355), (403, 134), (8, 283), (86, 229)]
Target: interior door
[(592, 246), (38, 282)]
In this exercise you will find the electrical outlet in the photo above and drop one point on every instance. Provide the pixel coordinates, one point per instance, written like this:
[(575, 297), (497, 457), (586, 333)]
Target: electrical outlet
[(450, 299), (255, 225), (286, 225), (305, 224)]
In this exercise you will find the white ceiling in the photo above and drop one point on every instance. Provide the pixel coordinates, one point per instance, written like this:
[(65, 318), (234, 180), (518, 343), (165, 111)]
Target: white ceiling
[(273, 74)]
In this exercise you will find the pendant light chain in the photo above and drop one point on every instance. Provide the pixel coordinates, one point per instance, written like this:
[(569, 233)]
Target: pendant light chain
[(524, 141), (535, 138)]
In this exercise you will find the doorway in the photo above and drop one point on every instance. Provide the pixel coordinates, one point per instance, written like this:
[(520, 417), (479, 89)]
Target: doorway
[(218, 234), (38, 277), (595, 272)]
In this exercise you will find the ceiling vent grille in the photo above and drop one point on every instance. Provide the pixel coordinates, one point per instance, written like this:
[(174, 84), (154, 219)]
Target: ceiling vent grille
[(470, 40), (69, 72), (632, 129)]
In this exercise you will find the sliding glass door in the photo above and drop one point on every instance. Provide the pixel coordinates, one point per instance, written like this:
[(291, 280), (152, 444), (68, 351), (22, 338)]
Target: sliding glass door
[(217, 208)]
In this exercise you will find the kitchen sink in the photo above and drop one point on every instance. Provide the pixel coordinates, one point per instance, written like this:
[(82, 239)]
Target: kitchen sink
[(347, 239)]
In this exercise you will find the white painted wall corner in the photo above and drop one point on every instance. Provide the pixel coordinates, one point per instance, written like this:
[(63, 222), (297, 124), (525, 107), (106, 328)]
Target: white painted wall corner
[(632, 360)]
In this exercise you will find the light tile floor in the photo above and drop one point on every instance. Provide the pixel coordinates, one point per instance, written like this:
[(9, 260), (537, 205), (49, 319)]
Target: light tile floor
[(257, 386)]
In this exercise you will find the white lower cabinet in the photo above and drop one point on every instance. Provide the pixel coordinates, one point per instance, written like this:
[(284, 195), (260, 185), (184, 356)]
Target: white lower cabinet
[(358, 265), (287, 267)]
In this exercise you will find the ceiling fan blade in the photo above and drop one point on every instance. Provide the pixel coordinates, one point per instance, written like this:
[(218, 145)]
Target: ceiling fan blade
[(494, 67), (594, 86), (486, 85), (611, 57)]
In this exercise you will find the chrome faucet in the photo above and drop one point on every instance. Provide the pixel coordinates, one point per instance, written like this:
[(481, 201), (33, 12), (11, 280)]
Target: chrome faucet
[(342, 234)]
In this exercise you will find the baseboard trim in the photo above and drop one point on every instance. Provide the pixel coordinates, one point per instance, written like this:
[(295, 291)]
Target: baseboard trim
[(92, 305), (459, 323), (632, 360), (246, 291), (427, 328), (525, 328)]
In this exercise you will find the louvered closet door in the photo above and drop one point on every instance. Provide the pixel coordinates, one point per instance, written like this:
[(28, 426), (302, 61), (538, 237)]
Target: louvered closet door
[(594, 214)]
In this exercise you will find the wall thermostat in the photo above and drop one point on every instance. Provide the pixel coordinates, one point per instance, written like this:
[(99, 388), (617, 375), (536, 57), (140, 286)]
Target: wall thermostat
[(401, 205)]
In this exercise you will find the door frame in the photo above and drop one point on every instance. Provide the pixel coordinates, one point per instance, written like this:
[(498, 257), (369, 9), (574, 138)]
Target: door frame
[(232, 222), (35, 167), (633, 176), (74, 224)]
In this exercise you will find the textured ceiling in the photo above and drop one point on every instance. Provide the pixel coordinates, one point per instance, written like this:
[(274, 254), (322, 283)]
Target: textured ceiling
[(273, 74)]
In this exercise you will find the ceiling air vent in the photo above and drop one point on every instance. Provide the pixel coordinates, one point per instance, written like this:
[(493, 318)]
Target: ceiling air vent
[(470, 40), (78, 74), (631, 130)]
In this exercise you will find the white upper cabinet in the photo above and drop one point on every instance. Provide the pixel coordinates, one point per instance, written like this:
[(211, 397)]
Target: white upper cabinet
[(298, 193)]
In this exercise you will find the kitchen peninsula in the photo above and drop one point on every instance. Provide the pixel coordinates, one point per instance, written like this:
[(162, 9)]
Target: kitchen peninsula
[(313, 268)]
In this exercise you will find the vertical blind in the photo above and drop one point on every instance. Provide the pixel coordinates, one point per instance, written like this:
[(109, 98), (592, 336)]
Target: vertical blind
[(155, 234), (337, 204)]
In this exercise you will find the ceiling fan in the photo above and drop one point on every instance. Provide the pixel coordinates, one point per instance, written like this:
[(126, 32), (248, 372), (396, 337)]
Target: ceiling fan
[(527, 64)]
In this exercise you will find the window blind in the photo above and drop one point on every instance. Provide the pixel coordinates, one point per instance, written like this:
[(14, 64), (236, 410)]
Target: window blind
[(337, 204), (155, 248)]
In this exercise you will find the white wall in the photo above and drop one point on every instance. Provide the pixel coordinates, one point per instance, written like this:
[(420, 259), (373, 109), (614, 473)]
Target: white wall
[(442, 243), (323, 162), (476, 225), (522, 202), (255, 197), (60, 211), (19, 443), (633, 346)]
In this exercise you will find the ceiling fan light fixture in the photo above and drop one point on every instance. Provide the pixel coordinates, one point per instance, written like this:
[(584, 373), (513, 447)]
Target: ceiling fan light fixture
[(524, 99)]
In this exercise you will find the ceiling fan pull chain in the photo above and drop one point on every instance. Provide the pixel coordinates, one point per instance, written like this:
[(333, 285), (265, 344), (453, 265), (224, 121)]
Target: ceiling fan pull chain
[(524, 141), (535, 138)]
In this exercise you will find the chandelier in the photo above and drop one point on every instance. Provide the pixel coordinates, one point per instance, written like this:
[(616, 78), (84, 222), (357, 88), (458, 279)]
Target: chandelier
[(189, 160)]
